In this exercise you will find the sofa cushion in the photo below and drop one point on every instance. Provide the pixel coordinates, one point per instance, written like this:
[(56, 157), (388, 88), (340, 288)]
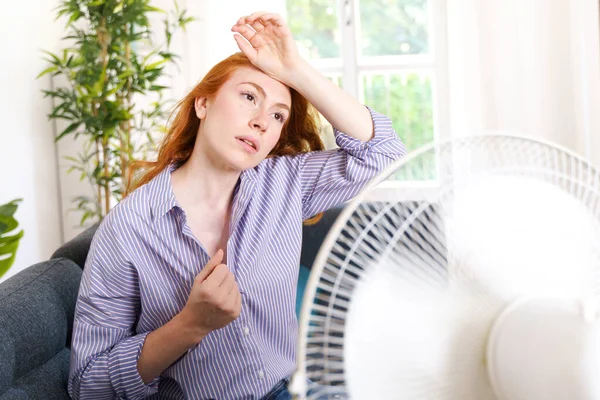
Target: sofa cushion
[(36, 309)]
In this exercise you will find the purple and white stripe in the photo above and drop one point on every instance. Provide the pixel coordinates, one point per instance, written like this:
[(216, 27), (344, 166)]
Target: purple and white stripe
[(144, 258)]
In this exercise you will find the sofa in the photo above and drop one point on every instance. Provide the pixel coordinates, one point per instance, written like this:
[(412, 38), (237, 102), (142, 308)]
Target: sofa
[(37, 307)]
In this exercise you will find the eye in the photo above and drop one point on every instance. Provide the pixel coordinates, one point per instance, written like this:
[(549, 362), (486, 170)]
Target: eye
[(279, 117), (249, 96)]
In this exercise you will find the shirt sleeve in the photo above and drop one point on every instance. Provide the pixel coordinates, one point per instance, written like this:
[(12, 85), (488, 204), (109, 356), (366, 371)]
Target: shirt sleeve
[(104, 349), (334, 176)]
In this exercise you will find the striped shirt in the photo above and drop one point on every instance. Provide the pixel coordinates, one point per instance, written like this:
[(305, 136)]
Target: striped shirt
[(144, 257)]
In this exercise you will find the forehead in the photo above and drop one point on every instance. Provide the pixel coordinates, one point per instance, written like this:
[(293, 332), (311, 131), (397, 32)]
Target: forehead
[(275, 90)]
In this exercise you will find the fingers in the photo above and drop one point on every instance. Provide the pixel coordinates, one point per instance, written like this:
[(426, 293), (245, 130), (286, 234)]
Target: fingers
[(228, 284), (215, 260), (264, 18), (245, 31), (234, 302), (251, 28), (259, 20), (217, 277), (235, 289), (257, 26), (246, 47), (238, 301)]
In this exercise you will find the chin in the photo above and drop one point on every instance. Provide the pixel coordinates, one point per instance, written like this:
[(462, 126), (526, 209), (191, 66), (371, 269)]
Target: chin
[(243, 163)]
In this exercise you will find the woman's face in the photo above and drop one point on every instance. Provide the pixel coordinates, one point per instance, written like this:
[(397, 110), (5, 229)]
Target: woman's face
[(242, 123)]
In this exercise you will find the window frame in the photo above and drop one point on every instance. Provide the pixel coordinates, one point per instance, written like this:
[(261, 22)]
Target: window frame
[(350, 67)]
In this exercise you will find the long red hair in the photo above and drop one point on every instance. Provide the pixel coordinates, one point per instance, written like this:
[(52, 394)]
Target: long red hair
[(300, 132)]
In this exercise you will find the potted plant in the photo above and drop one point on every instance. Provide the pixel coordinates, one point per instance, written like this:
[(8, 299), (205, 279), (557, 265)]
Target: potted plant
[(112, 96), (9, 241)]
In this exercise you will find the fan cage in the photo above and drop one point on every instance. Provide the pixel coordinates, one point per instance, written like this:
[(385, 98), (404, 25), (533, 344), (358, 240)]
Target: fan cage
[(361, 235)]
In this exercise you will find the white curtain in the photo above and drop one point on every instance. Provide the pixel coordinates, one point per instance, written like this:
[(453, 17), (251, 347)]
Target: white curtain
[(528, 67)]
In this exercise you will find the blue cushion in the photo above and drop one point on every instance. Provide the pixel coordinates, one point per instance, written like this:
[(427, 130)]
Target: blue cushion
[(302, 280)]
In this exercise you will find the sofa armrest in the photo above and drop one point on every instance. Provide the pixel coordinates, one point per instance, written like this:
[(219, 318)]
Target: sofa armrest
[(37, 306), (77, 248)]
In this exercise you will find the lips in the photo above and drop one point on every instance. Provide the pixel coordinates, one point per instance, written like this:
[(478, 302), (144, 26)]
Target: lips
[(249, 143)]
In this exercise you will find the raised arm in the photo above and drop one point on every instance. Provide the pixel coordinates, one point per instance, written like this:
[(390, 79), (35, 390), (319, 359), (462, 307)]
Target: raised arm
[(331, 177)]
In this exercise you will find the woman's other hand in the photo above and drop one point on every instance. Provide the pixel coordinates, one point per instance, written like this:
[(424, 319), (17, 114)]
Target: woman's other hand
[(214, 300)]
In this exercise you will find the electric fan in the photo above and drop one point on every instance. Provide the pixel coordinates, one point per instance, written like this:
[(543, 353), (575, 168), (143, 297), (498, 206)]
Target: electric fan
[(482, 284)]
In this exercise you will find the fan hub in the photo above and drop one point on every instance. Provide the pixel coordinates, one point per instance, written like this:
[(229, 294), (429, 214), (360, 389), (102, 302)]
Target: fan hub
[(546, 348)]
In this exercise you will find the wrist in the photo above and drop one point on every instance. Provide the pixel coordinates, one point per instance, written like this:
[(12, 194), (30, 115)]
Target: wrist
[(191, 335), (298, 74)]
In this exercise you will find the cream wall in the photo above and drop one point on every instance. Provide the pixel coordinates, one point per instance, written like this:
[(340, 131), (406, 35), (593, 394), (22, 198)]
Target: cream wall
[(27, 153), (530, 67)]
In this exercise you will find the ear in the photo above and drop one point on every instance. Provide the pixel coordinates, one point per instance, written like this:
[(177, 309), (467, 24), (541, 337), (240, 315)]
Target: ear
[(200, 106)]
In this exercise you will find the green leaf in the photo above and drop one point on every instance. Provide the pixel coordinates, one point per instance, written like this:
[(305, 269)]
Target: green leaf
[(9, 249), (72, 159), (85, 217), (46, 71), (183, 22), (126, 74), (54, 58), (8, 210), (6, 263), (74, 17), (6, 241), (68, 130), (7, 224), (154, 9), (154, 65), (8, 244)]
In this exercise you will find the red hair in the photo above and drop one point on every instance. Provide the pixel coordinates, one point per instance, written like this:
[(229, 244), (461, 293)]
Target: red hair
[(299, 134)]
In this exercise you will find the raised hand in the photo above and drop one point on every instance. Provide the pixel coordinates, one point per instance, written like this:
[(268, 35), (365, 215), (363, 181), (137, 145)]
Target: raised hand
[(214, 300), (267, 41)]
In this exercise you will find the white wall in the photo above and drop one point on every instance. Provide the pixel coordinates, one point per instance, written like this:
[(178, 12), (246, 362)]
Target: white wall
[(588, 15), (218, 19), (529, 67), (209, 40), (27, 156)]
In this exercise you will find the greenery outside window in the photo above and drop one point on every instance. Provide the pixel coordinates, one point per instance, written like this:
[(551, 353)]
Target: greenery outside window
[(390, 54)]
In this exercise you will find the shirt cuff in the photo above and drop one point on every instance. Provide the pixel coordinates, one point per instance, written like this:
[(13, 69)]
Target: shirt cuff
[(384, 140), (123, 372)]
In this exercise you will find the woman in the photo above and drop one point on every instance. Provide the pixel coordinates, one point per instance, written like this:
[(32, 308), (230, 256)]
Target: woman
[(190, 283)]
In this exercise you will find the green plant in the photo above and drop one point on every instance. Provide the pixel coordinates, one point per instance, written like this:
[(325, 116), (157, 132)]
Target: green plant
[(112, 94), (9, 241)]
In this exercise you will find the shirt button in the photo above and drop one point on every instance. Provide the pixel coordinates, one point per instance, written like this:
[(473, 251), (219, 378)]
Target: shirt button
[(246, 330), (261, 374)]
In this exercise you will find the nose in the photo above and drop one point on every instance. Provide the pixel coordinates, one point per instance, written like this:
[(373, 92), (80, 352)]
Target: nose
[(260, 121)]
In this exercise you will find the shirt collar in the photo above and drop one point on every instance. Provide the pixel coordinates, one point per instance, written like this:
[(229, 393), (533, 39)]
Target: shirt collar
[(162, 197)]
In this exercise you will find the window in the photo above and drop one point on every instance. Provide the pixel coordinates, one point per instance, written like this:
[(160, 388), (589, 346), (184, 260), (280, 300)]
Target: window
[(387, 53)]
